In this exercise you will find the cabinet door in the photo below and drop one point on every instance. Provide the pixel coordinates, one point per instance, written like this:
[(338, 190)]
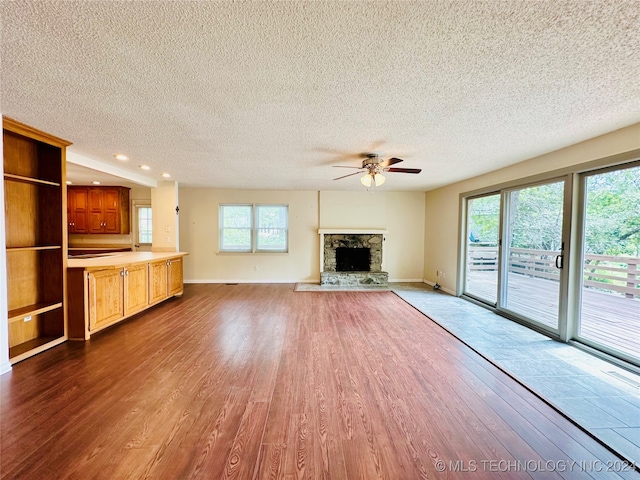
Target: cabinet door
[(96, 208), (157, 281), (175, 277), (77, 210), (106, 295), (111, 210), (136, 288)]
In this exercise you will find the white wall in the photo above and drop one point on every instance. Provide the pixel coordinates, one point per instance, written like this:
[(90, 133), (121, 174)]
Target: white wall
[(442, 205), (401, 213)]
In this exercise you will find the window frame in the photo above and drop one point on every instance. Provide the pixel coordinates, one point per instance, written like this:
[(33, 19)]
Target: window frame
[(256, 229), (221, 228), (254, 246), (137, 205)]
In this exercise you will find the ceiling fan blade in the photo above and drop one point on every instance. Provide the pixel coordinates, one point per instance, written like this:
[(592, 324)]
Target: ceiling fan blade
[(404, 170), (351, 174), (344, 166), (391, 161)]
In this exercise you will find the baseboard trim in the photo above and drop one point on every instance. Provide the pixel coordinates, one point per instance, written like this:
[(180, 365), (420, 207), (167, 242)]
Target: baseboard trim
[(5, 368), (442, 289), (262, 280)]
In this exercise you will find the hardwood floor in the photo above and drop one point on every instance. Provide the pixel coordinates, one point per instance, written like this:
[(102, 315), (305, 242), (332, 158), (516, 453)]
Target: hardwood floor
[(258, 381)]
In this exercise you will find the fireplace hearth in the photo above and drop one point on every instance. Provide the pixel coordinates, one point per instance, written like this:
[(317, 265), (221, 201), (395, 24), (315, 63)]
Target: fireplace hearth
[(352, 258)]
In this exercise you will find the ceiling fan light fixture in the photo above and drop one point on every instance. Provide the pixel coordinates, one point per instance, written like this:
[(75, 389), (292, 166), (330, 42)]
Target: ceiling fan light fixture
[(366, 180), (379, 179)]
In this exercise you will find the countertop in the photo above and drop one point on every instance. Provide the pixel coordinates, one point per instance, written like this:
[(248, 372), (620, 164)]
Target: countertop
[(119, 259)]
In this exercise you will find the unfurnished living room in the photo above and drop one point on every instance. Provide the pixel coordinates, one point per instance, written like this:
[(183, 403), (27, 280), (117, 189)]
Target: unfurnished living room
[(320, 239)]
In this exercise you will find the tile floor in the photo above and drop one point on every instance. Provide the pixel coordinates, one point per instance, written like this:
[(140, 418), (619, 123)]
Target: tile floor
[(601, 397)]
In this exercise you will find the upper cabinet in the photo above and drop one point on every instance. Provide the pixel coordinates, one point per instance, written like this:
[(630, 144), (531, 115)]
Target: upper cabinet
[(98, 210), (36, 244), (77, 210)]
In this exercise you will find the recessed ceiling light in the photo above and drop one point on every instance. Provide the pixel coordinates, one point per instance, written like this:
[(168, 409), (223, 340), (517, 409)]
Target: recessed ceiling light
[(120, 156), (145, 167), (166, 175), (95, 182), (69, 182)]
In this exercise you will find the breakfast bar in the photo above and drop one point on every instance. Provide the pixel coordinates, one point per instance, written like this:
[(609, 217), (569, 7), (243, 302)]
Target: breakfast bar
[(104, 289)]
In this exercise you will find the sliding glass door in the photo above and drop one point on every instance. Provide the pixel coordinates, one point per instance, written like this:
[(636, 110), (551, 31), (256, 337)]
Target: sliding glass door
[(610, 262), (533, 253), (513, 252), (518, 240), (483, 234)]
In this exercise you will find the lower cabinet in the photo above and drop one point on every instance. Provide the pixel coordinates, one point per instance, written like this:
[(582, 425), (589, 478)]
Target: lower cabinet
[(136, 288), (116, 294), (166, 279), (106, 297), (101, 297)]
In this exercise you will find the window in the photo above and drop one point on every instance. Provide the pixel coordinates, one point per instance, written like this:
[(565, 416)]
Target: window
[(145, 226), (254, 228), (271, 228), (562, 254)]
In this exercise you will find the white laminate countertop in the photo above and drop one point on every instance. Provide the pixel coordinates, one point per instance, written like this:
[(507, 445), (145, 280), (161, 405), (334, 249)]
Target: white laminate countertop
[(119, 259)]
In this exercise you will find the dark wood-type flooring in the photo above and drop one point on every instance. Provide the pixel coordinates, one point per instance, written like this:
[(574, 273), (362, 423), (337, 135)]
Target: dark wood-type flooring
[(259, 381)]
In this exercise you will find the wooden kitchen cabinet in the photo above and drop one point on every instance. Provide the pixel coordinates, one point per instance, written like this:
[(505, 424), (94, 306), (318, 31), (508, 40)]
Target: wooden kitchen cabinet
[(136, 288), (166, 279), (106, 297), (157, 281), (77, 210), (106, 210), (175, 285), (117, 293), (105, 290), (36, 241)]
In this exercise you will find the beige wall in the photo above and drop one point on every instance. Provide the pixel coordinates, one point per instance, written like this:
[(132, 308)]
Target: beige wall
[(199, 237), (164, 200), (443, 204), (401, 213)]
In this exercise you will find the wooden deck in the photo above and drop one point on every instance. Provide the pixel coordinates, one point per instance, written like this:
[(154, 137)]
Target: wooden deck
[(613, 320)]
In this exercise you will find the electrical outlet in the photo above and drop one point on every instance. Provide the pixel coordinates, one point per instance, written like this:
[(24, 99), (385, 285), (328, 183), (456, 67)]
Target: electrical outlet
[(442, 275), (167, 240), (167, 229)]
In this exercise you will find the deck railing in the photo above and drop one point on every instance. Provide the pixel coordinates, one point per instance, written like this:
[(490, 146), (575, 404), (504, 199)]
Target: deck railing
[(603, 272)]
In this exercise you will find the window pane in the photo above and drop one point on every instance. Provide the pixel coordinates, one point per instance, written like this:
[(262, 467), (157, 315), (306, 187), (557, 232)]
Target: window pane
[(483, 228), (236, 216), (272, 230), (145, 225), (610, 299), (235, 228), (534, 242)]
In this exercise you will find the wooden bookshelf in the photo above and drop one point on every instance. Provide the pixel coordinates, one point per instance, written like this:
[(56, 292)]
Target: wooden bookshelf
[(36, 242)]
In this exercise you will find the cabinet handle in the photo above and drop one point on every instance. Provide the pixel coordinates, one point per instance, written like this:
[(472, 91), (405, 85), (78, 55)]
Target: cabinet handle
[(126, 273), (122, 272)]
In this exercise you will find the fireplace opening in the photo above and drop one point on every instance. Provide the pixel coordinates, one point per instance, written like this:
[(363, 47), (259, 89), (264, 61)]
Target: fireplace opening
[(353, 259)]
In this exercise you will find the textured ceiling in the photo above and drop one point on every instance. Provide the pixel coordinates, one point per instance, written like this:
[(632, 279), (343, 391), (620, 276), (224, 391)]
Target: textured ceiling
[(272, 94)]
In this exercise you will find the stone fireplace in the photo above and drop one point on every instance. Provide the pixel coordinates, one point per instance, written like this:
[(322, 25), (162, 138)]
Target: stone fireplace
[(352, 257)]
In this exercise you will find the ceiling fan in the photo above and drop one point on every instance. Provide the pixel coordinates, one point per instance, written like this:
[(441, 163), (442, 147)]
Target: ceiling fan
[(373, 165)]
